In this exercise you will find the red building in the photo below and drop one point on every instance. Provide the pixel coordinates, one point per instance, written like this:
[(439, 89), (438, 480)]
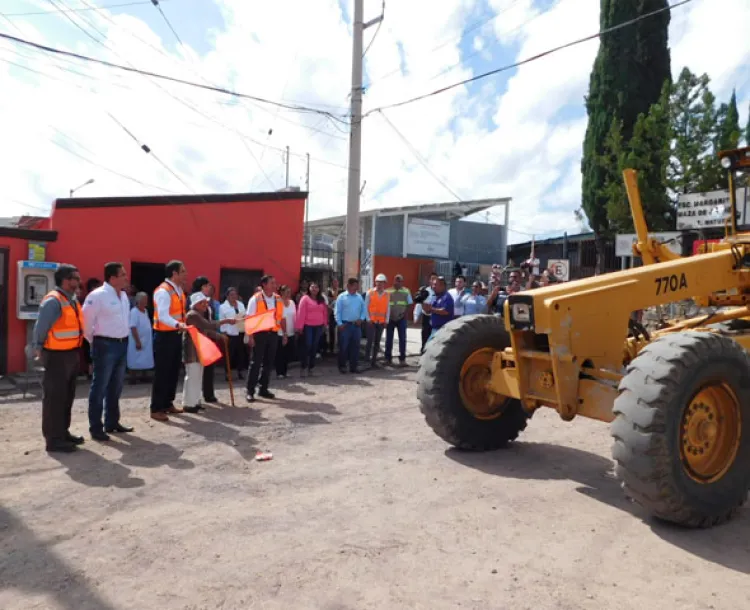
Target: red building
[(233, 239)]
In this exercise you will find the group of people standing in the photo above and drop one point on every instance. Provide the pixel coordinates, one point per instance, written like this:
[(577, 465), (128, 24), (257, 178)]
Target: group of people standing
[(116, 327)]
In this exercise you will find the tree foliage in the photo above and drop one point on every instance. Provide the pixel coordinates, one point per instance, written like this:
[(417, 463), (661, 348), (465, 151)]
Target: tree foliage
[(626, 81)]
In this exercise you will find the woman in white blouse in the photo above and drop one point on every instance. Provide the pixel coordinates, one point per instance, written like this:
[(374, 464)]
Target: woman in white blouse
[(232, 307), (286, 348)]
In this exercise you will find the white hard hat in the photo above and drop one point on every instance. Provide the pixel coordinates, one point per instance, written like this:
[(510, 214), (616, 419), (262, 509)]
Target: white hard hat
[(381, 278), (197, 297)]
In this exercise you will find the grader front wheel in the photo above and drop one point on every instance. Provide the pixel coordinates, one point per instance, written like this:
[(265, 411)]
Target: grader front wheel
[(452, 380), (682, 428)]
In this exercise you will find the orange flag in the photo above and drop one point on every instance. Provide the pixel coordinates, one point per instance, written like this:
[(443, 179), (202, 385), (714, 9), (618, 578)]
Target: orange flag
[(206, 349), (260, 322)]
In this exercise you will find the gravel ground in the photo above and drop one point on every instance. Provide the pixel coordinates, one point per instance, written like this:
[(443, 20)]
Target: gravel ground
[(362, 506)]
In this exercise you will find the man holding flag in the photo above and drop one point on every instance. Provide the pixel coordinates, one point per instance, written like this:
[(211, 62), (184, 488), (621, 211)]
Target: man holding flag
[(265, 312), (198, 349)]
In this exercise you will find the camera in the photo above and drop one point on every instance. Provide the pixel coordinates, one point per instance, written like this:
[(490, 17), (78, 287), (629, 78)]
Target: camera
[(422, 294)]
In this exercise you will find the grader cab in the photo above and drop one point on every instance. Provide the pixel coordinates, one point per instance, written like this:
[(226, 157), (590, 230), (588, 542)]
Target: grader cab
[(677, 398)]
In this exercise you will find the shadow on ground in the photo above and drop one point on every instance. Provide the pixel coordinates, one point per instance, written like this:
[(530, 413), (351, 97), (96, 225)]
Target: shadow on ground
[(29, 564), (726, 545), (92, 470)]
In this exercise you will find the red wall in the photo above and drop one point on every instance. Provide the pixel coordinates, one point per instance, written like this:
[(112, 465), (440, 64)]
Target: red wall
[(16, 341), (264, 235)]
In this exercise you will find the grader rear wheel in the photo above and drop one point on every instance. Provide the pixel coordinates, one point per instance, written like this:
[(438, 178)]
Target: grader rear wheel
[(452, 379), (682, 428)]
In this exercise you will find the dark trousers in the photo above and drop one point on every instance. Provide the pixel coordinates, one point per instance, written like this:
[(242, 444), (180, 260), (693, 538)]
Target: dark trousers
[(284, 355), (264, 356), (237, 354), (311, 337), (110, 358), (374, 335), (167, 361), (400, 326), (349, 337), (58, 392), (208, 381), (331, 333), (426, 329)]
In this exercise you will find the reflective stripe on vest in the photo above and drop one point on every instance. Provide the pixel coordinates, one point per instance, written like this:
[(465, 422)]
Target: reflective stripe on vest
[(399, 303), (261, 307), (176, 307), (378, 309), (67, 332)]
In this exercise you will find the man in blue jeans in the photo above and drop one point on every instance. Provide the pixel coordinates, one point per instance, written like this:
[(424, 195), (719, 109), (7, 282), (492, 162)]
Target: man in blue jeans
[(106, 313), (350, 315), (400, 301)]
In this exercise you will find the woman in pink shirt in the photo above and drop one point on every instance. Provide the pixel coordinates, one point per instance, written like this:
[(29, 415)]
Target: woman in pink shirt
[(312, 317)]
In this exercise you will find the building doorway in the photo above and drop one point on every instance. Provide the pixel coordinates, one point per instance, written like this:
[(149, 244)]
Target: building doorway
[(244, 280), (146, 277), (4, 258)]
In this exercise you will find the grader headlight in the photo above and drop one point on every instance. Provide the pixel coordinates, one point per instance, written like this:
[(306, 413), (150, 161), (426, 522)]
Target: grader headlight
[(521, 312)]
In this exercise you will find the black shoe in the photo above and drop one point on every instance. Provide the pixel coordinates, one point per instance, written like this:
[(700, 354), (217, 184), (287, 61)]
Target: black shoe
[(100, 436), (212, 399), (61, 447), (119, 428), (249, 398), (356, 371), (266, 394), (194, 409), (342, 370), (374, 365), (76, 440)]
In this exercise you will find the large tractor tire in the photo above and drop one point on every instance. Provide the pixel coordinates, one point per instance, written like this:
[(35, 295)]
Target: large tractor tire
[(451, 386), (682, 428)]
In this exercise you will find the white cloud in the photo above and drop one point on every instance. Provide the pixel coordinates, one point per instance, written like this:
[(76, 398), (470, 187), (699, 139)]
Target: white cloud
[(517, 135)]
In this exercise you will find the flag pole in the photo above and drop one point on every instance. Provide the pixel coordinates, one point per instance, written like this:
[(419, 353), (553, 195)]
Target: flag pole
[(229, 369)]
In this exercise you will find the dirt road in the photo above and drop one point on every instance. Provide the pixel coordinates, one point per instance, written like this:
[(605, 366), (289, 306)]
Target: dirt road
[(361, 507)]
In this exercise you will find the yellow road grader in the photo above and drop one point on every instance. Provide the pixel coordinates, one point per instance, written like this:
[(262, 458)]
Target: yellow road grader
[(677, 398)]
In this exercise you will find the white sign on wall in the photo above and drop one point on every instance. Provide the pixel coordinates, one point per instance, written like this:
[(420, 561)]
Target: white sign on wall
[(708, 210), (428, 237), (560, 267), (624, 243)]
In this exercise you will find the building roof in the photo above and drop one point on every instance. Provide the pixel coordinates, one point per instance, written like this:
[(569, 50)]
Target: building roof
[(31, 234), (451, 209), (159, 200), (554, 240)]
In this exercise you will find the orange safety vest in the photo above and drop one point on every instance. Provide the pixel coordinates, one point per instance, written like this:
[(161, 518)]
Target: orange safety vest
[(261, 307), (67, 332), (176, 307), (378, 306)]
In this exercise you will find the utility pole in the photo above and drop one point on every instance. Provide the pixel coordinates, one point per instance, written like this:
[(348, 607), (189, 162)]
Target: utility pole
[(351, 255), (308, 249), (287, 167)]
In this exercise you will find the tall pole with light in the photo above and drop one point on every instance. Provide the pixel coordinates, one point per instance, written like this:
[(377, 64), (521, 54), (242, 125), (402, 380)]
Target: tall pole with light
[(89, 181), (351, 253)]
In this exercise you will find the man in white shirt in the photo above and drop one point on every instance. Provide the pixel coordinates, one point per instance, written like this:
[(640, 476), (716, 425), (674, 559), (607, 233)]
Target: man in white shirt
[(169, 322), (234, 308), (105, 325)]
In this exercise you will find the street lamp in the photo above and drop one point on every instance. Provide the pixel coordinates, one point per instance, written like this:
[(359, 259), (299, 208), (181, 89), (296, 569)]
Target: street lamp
[(89, 181)]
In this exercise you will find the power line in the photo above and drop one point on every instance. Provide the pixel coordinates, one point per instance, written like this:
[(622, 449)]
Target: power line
[(419, 158), (169, 25), (79, 10), (531, 59), (222, 90)]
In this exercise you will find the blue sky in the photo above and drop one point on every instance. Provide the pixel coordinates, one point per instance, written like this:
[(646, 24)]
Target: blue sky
[(516, 134)]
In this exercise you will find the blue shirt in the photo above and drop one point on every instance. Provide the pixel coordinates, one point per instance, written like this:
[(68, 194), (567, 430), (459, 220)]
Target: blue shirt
[(350, 308), (443, 301), (474, 303)]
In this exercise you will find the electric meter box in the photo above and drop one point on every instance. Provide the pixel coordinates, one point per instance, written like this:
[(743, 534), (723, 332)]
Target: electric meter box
[(35, 280)]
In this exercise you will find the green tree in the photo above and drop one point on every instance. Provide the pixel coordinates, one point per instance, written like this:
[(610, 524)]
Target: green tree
[(629, 72), (647, 149), (726, 137), (747, 128)]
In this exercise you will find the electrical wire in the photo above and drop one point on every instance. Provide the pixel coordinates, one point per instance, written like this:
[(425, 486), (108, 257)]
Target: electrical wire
[(222, 90), (169, 24), (78, 10), (530, 59), (377, 29)]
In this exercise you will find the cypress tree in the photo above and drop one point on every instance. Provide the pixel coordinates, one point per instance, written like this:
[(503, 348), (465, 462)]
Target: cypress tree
[(727, 137), (627, 79), (747, 128)]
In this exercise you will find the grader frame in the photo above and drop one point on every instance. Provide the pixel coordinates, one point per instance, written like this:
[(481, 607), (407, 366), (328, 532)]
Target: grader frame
[(566, 346)]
